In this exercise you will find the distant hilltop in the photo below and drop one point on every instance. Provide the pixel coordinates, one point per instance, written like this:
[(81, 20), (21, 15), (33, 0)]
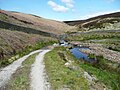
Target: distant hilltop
[(104, 22)]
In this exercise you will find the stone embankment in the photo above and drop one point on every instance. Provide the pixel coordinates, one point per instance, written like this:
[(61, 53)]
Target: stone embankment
[(97, 49)]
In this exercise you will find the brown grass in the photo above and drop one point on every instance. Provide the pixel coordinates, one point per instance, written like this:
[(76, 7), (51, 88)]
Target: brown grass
[(32, 21), (12, 42)]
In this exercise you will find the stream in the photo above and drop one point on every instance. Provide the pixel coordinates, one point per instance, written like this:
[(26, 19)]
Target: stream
[(80, 55)]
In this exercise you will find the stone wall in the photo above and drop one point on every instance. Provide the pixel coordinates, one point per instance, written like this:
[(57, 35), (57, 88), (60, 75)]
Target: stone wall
[(13, 27)]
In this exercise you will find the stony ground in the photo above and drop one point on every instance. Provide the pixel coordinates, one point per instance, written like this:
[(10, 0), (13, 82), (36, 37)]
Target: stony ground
[(97, 49)]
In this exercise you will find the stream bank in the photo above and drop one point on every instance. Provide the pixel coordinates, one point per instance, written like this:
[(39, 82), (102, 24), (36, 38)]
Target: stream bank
[(105, 70)]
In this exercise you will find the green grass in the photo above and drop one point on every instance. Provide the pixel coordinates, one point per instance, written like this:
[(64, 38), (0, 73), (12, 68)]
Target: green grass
[(37, 46), (109, 79), (61, 76), (105, 73), (21, 80), (27, 50)]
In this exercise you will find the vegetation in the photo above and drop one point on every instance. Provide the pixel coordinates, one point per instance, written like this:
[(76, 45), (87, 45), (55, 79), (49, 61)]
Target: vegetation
[(34, 22), (107, 65), (102, 22), (91, 56), (92, 36), (27, 50), (107, 23), (3, 17), (20, 80), (104, 71), (63, 77), (112, 44), (14, 44), (64, 71), (109, 40)]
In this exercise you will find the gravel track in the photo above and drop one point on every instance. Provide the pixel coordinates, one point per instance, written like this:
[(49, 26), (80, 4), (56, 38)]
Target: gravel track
[(6, 73), (37, 75)]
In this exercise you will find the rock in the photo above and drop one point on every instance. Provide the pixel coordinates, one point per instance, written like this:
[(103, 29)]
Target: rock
[(55, 44), (65, 87), (70, 66), (67, 64), (93, 84), (87, 76)]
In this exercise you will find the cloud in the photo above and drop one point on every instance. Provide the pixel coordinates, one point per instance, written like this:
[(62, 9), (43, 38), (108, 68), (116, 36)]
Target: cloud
[(56, 7), (69, 3)]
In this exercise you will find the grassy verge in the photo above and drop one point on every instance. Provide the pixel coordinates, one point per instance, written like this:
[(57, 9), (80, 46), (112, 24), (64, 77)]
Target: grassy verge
[(60, 76), (27, 50), (20, 80), (104, 72)]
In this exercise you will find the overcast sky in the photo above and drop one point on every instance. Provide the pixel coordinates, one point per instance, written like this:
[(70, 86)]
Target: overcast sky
[(62, 9)]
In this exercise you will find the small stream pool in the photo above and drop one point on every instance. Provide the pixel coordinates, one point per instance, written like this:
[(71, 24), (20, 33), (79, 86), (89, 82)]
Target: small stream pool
[(78, 54)]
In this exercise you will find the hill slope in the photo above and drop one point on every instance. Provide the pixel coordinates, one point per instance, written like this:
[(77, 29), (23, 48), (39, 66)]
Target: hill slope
[(107, 21), (19, 43), (34, 22), (22, 33)]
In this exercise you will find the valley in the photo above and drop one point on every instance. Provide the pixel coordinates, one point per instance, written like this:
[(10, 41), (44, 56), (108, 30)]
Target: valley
[(53, 66)]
